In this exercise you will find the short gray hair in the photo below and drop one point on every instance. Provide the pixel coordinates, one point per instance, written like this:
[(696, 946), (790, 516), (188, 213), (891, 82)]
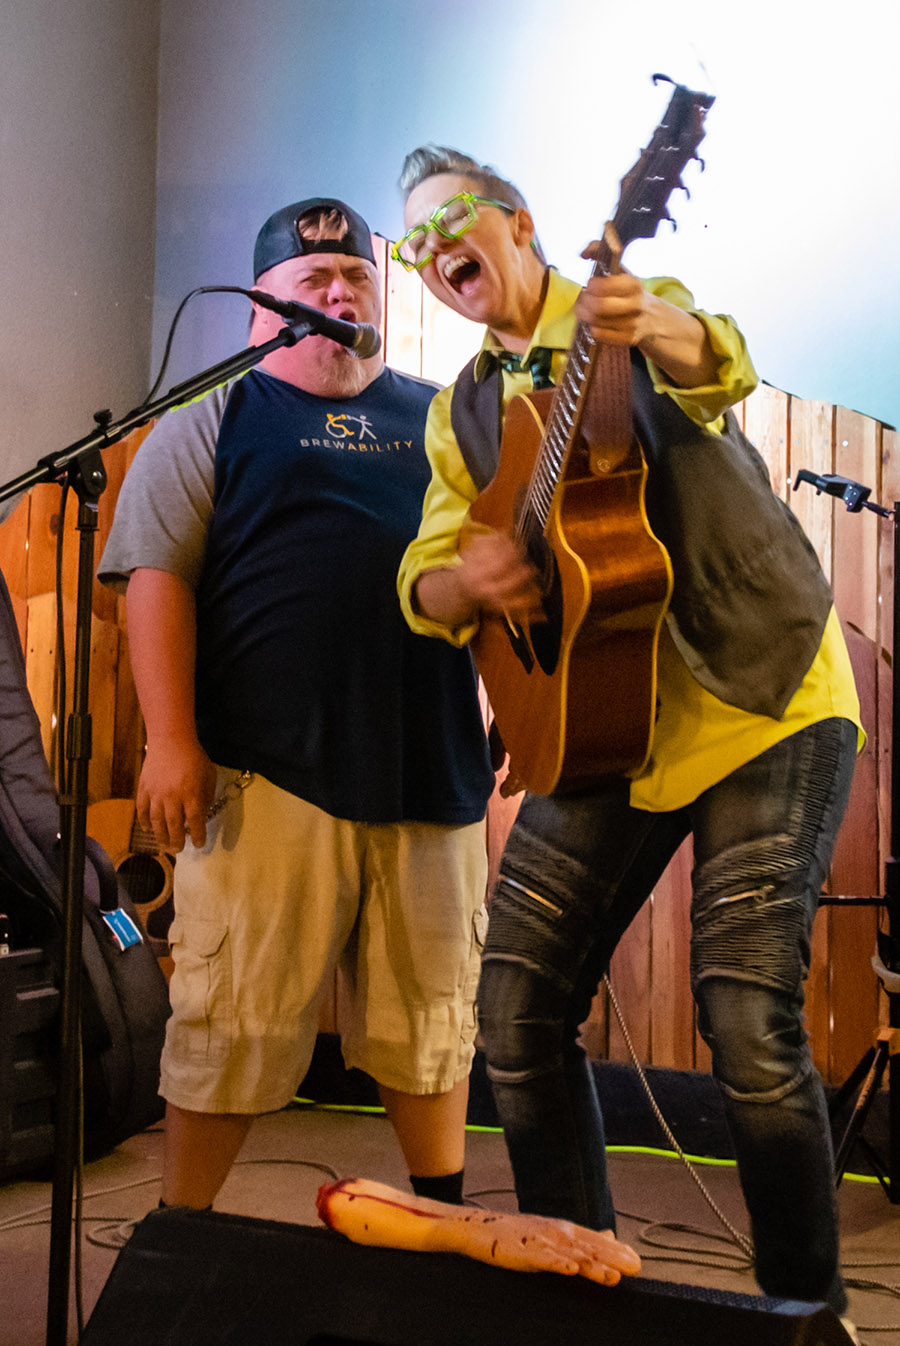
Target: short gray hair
[(427, 161)]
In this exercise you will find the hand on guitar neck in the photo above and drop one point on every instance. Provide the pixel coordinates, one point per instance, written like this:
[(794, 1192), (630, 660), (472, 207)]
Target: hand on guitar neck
[(619, 311)]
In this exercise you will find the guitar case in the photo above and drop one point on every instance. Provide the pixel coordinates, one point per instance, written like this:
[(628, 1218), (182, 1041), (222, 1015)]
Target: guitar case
[(124, 994)]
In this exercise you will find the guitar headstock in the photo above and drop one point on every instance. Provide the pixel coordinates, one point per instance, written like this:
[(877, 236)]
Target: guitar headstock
[(646, 189)]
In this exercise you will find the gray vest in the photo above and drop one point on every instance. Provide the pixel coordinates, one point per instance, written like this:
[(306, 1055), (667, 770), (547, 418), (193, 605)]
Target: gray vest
[(750, 601)]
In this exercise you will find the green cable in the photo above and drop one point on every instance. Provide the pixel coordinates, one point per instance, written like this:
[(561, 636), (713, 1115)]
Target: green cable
[(366, 1109)]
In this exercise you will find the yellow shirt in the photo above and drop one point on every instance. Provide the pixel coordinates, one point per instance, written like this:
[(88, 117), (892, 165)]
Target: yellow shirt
[(698, 739)]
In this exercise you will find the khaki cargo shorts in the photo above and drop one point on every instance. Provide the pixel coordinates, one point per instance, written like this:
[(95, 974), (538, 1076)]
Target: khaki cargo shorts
[(280, 896)]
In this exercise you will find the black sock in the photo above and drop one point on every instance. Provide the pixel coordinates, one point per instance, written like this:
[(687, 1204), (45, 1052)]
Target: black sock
[(448, 1187)]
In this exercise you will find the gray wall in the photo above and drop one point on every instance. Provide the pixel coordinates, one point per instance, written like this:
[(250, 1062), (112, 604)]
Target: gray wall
[(791, 228), (78, 119), (142, 142), (264, 102)]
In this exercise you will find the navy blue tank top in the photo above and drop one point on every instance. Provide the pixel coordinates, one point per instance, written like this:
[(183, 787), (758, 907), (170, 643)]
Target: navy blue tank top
[(306, 669)]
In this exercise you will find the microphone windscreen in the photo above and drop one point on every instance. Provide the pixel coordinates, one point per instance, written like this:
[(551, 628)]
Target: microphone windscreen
[(368, 342)]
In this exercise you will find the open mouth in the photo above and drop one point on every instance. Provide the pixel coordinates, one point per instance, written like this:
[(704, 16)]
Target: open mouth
[(459, 270)]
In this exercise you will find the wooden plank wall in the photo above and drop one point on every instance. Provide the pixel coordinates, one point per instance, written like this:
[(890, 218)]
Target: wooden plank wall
[(650, 970)]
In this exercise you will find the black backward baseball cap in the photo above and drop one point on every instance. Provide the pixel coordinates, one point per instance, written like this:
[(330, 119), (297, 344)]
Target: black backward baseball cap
[(279, 238)]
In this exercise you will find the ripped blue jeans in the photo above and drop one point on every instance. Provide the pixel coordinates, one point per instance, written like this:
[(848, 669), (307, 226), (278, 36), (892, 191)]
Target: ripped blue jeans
[(575, 871)]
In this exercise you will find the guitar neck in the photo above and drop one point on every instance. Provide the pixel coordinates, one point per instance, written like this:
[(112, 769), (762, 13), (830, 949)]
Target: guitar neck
[(642, 204), (563, 423)]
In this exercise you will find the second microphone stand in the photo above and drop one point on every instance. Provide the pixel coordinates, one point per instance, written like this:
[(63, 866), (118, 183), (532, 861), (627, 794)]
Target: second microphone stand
[(884, 1055)]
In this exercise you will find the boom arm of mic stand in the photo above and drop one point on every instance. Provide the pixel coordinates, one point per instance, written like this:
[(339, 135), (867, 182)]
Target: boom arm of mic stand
[(53, 466)]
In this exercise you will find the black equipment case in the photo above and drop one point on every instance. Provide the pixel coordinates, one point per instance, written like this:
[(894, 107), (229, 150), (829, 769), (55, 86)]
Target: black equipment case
[(124, 994)]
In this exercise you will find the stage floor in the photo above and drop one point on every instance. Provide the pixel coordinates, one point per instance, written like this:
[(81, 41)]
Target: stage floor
[(289, 1154)]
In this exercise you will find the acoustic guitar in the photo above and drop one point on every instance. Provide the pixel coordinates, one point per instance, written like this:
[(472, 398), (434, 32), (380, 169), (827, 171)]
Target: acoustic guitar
[(574, 693)]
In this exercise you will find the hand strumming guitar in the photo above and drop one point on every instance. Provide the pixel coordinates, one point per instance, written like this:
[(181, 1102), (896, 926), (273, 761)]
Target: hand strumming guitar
[(493, 577)]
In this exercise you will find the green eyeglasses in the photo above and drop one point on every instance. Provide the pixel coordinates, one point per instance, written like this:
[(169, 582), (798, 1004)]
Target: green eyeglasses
[(451, 219)]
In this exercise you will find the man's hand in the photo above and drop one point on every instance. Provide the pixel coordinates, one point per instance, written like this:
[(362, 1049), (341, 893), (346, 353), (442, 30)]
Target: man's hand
[(175, 792)]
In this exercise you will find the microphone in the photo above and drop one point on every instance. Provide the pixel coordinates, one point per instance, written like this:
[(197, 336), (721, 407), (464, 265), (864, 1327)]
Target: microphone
[(362, 339)]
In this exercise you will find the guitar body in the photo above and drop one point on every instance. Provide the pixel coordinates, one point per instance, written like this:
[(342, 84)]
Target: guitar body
[(574, 696)]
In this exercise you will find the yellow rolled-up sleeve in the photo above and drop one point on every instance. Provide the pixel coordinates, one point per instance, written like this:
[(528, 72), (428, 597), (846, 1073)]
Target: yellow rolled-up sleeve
[(737, 378), (444, 512)]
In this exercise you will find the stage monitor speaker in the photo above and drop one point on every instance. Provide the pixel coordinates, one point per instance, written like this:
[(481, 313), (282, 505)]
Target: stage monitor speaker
[(206, 1279)]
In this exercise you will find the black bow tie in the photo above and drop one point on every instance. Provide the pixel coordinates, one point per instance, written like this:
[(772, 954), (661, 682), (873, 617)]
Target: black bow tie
[(537, 364)]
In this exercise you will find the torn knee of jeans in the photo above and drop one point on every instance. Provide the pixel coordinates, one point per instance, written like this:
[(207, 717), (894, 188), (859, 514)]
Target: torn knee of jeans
[(502, 1075), (521, 1041), (774, 1093), (757, 1037)]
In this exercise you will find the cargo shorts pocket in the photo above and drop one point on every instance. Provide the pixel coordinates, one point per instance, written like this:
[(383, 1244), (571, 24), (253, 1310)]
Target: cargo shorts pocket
[(201, 991), (473, 972)]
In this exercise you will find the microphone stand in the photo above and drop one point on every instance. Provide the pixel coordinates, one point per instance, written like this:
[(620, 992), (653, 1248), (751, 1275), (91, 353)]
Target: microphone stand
[(81, 464), (884, 1055)]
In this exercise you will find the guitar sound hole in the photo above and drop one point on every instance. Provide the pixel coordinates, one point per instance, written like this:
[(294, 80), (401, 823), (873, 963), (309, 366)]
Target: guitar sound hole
[(145, 879)]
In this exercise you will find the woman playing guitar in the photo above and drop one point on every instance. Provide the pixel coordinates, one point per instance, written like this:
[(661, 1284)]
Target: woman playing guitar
[(750, 716)]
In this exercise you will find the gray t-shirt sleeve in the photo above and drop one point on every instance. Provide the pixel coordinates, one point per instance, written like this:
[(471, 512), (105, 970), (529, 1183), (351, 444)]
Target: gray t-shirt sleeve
[(164, 507)]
